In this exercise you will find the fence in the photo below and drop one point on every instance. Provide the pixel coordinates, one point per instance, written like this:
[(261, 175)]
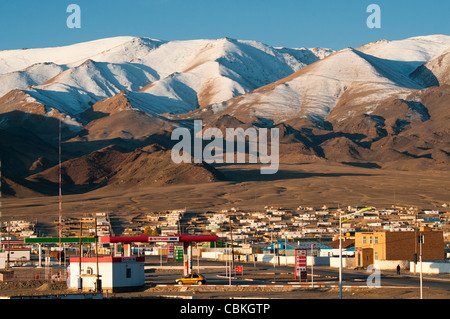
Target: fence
[(42, 274)]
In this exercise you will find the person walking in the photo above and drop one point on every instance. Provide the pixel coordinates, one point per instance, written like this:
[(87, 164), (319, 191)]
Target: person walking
[(398, 269)]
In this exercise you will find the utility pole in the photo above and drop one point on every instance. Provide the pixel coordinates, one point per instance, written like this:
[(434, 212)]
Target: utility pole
[(80, 279), (421, 262), (98, 282), (8, 229), (232, 248), (340, 255), (347, 216), (416, 240), (312, 265), (274, 258), (60, 194), (1, 222)]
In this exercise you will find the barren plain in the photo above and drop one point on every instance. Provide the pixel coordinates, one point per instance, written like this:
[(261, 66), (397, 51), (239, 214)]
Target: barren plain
[(312, 184)]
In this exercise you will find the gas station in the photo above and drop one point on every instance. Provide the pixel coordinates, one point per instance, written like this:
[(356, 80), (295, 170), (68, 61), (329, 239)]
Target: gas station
[(116, 269), (185, 240)]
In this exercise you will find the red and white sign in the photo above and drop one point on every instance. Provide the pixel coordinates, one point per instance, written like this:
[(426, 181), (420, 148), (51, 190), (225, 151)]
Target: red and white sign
[(170, 251), (238, 269), (166, 239), (300, 264)]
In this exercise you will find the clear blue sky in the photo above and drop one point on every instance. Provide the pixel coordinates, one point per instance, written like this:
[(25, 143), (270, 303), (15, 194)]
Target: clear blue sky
[(291, 23)]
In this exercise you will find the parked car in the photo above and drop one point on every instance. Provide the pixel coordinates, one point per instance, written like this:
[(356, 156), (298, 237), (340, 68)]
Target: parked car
[(197, 279)]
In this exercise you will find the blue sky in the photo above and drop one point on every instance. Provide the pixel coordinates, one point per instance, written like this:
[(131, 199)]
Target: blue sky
[(291, 23)]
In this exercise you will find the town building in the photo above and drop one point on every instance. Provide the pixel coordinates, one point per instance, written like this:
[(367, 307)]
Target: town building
[(397, 246), (116, 273)]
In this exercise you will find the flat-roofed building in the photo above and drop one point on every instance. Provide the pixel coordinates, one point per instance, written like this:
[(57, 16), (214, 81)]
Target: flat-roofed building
[(400, 245)]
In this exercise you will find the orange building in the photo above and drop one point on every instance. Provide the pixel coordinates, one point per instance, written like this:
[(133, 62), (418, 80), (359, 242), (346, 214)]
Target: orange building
[(401, 245)]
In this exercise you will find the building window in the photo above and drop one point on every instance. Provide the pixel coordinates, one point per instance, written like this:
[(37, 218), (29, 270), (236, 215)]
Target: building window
[(370, 239), (375, 255), (364, 240), (376, 239)]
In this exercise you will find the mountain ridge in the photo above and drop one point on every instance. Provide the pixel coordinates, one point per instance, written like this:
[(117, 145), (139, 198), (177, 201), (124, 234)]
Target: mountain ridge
[(384, 104)]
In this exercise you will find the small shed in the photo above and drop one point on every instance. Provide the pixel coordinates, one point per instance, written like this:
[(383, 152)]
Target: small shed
[(116, 273)]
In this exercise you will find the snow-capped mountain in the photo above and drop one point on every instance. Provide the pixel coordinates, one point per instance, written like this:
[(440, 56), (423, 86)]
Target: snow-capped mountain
[(408, 54), (434, 72), (314, 90), (76, 89), (384, 103), (35, 74), (114, 50), (161, 77)]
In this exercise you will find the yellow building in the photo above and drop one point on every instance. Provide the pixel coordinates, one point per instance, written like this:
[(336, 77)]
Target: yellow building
[(401, 245)]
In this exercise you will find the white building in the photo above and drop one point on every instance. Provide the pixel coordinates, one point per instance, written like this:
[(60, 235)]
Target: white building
[(116, 273)]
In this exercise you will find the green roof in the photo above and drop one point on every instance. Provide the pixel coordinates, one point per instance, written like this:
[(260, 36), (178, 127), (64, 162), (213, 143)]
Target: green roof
[(55, 240)]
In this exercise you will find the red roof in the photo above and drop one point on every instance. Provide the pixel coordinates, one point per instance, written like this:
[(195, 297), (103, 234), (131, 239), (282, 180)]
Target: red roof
[(107, 259), (346, 243)]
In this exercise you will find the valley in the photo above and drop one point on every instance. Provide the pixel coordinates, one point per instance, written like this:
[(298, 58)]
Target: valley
[(308, 184), (358, 126)]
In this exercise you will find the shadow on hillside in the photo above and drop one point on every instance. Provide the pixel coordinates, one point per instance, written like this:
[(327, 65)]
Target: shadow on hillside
[(243, 174)]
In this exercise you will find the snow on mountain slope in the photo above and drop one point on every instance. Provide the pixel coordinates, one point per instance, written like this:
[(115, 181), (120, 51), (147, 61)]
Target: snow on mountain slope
[(242, 76), (76, 89), (409, 53), (258, 62), (21, 112), (307, 56), (197, 73), (175, 77), (117, 49), (314, 90), (434, 72), (208, 83), (32, 75)]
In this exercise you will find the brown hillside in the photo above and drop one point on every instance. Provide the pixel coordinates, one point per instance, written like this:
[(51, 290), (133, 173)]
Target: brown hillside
[(111, 167)]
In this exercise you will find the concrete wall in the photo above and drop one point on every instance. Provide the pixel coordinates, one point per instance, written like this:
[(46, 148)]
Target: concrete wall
[(113, 274), (431, 267), (16, 255), (267, 258), (136, 271), (392, 264), (290, 260), (347, 262)]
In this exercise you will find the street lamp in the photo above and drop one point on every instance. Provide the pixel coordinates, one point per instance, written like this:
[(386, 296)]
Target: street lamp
[(347, 216), (312, 266), (340, 255), (421, 259), (274, 261)]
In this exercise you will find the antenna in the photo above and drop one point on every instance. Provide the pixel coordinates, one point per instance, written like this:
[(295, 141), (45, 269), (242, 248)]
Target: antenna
[(60, 193), (1, 222)]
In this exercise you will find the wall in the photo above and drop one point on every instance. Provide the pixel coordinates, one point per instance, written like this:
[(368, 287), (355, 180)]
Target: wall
[(401, 245), (136, 271), (392, 264), (105, 271), (290, 260), (113, 274), (347, 262), (16, 255), (431, 267)]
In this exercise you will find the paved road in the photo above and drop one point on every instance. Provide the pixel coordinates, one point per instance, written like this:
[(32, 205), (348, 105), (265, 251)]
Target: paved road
[(285, 275)]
